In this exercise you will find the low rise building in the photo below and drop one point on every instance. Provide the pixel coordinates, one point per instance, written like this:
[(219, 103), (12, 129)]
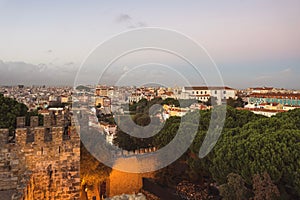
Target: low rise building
[(109, 130), (204, 93), (289, 99), (268, 109)]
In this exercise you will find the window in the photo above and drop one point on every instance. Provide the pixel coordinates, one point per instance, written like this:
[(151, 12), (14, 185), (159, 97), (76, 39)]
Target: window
[(215, 91), (197, 92), (205, 92), (201, 92), (224, 92)]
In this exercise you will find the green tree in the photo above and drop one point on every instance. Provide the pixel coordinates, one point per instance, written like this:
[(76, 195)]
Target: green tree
[(252, 144), (10, 109), (249, 144), (263, 145), (235, 188), (236, 103)]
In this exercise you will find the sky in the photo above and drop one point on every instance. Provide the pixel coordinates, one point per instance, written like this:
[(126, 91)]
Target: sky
[(253, 43)]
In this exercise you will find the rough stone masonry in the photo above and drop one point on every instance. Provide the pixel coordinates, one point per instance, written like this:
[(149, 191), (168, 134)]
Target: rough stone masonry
[(43, 162)]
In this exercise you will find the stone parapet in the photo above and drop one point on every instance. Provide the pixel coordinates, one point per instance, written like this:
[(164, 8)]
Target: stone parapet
[(42, 163)]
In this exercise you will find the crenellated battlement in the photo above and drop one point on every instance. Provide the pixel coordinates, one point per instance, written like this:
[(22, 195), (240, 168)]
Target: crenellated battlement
[(52, 119), (40, 135), (51, 153), (56, 127)]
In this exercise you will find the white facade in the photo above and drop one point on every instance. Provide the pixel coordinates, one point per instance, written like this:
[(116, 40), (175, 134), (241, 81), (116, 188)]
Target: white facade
[(203, 93), (135, 98), (109, 130), (265, 113)]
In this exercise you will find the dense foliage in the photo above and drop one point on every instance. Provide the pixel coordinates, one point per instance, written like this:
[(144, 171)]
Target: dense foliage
[(249, 145), (9, 110), (252, 145), (235, 188), (235, 103), (141, 116), (143, 105)]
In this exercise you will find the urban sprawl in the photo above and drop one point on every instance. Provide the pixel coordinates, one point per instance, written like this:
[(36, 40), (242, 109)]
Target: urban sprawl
[(113, 100)]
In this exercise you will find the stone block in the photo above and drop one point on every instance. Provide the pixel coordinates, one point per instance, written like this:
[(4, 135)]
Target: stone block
[(47, 120), (34, 121), (20, 122)]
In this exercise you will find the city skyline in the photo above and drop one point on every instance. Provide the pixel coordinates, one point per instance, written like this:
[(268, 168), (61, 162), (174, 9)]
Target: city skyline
[(253, 43)]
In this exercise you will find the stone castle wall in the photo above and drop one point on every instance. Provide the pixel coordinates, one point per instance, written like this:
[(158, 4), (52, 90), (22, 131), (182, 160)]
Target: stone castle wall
[(9, 162), (44, 162), (126, 183)]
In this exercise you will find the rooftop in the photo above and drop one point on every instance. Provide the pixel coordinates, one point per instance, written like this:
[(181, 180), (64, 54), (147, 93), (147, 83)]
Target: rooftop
[(208, 88)]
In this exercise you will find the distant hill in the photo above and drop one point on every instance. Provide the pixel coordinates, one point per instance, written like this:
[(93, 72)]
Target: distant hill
[(82, 87)]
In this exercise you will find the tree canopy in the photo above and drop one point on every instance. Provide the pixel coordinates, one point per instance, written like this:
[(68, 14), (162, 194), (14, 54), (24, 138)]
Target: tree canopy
[(250, 144), (10, 109)]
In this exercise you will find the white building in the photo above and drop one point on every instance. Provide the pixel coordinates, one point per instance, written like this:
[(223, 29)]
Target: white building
[(109, 130), (203, 93)]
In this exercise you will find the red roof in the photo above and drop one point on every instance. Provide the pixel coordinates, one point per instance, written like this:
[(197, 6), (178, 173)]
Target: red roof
[(262, 109), (208, 88), (169, 93), (201, 95), (273, 104), (276, 95)]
